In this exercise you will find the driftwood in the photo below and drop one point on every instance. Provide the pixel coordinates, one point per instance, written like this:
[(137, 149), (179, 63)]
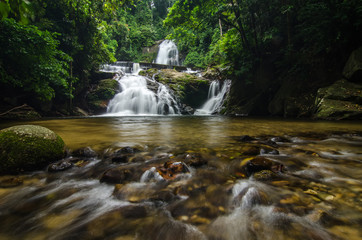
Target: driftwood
[(18, 107)]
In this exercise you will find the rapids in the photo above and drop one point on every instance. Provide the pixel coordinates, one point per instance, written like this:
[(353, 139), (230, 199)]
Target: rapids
[(313, 190)]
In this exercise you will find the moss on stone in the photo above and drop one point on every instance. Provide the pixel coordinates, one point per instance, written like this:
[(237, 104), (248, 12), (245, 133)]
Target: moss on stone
[(99, 97), (28, 147)]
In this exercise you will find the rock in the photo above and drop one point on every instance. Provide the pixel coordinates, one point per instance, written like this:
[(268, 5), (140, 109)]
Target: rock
[(252, 165), (118, 175), (171, 170), (122, 155), (29, 147), (194, 159), (60, 166), (189, 89), (10, 181), (264, 175), (341, 100), (353, 68), (100, 95), (250, 150), (257, 164), (187, 110), (246, 138), (86, 152)]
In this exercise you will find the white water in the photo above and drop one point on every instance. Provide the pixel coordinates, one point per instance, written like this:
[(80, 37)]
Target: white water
[(167, 53), (215, 98), (136, 99)]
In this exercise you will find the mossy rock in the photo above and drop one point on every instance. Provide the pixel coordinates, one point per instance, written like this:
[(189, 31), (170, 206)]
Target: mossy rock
[(28, 147), (99, 97), (341, 100), (189, 89)]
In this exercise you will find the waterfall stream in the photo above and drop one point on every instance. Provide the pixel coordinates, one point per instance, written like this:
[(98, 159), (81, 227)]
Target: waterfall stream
[(167, 53), (135, 98), (215, 98)]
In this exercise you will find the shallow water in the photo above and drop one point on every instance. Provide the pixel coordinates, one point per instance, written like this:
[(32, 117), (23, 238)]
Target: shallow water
[(314, 193)]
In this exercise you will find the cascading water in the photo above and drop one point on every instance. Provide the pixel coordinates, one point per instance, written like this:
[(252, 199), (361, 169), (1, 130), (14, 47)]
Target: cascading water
[(136, 99), (167, 53), (215, 98)]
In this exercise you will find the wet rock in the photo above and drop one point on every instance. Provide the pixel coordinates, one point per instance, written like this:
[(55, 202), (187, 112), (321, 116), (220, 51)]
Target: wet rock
[(86, 152), (29, 147), (123, 221), (324, 218), (250, 150), (246, 138), (170, 170), (187, 110), (256, 164), (60, 166), (194, 159), (164, 196), (10, 182), (164, 227), (118, 175), (268, 150), (122, 155), (249, 197), (264, 175)]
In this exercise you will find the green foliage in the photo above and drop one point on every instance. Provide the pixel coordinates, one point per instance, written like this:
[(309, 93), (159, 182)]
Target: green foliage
[(30, 61)]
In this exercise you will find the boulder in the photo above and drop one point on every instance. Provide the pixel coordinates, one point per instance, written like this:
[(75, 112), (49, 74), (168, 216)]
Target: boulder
[(341, 100), (28, 147), (353, 68), (101, 94), (189, 89)]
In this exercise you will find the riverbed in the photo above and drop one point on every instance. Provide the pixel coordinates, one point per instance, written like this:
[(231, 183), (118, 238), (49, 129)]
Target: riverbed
[(309, 187)]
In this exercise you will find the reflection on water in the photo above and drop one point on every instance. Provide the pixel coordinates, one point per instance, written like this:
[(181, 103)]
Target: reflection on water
[(244, 179)]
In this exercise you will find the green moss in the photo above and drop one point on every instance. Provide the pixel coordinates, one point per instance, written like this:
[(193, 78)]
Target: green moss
[(28, 147), (106, 90)]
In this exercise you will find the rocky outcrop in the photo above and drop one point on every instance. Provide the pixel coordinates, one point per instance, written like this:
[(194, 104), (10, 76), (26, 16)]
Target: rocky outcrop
[(188, 88), (101, 94), (341, 100), (28, 147)]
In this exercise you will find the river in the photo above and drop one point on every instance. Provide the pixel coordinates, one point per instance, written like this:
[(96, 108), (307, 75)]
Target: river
[(311, 190)]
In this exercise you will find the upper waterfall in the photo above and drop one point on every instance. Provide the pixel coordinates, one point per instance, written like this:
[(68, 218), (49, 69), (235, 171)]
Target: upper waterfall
[(167, 53)]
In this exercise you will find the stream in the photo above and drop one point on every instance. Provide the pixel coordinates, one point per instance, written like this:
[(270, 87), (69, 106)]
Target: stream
[(191, 177)]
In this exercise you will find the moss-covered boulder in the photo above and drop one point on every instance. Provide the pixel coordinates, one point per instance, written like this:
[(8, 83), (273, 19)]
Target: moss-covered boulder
[(28, 147), (100, 95), (341, 100), (190, 89)]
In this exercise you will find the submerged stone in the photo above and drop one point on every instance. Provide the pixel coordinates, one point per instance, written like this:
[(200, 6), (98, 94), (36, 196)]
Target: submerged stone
[(28, 147)]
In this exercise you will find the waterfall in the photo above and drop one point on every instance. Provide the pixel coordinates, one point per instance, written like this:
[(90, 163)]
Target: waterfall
[(167, 53), (136, 99), (215, 98)]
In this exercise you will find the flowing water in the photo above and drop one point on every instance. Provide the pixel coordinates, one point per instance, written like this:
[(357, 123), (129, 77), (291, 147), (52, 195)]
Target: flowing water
[(215, 98), (312, 190), (168, 53), (135, 97)]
